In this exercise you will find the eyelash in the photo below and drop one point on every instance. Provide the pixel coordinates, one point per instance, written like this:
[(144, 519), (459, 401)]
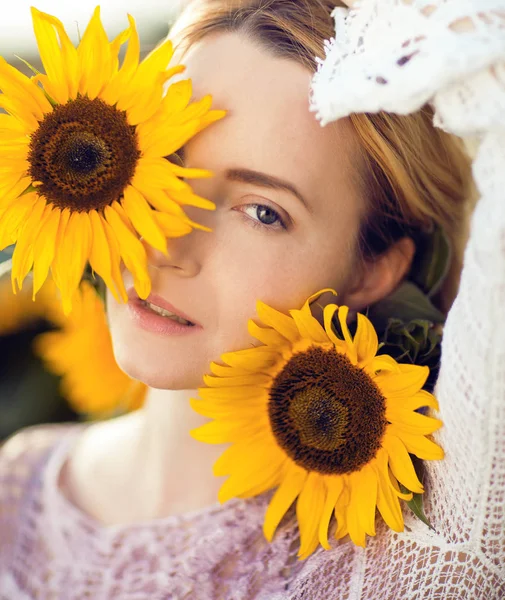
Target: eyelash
[(258, 224)]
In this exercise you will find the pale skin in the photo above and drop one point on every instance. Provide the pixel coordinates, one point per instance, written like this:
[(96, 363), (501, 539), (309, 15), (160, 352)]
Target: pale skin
[(216, 278)]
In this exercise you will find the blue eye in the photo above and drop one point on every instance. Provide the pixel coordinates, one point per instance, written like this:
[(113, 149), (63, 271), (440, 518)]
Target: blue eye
[(265, 216)]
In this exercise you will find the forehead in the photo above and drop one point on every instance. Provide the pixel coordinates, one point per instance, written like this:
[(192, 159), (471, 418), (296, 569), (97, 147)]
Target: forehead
[(268, 126)]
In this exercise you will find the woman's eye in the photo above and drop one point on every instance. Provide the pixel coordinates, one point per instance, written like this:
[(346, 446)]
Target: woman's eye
[(264, 215)]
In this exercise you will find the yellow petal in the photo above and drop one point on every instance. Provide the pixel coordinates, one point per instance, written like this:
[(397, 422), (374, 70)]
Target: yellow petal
[(290, 487), (343, 312), (113, 89), (226, 371), (341, 509), (155, 181), (408, 382), (401, 463), (145, 102), (175, 100), (252, 359), (266, 335), (132, 252), (387, 500), (224, 431), (361, 508), (155, 62), (13, 191), (62, 227), (307, 304), (366, 492), (13, 217), (211, 117), (189, 173), (194, 200), (51, 56), (170, 226), (104, 257), (159, 198), (22, 258), (231, 394), (309, 510), (193, 112), (308, 326), (17, 108), (65, 62), (278, 321), (228, 411), (396, 488), (265, 484), (261, 468), (9, 123), (177, 97), (115, 48), (156, 173), (14, 83), (419, 445), (410, 421), (328, 314), (136, 91), (419, 400), (141, 216), (383, 362), (71, 256), (241, 455), (365, 340), (258, 380), (334, 487), (95, 58), (44, 248), (166, 141), (113, 245)]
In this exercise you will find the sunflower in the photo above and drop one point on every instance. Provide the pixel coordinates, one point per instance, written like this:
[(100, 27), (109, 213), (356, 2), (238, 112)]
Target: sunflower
[(80, 351), (317, 414), (83, 158)]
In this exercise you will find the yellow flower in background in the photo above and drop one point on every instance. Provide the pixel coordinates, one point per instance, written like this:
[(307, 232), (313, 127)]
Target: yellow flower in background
[(20, 310), (322, 418), (83, 172), (80, 351)]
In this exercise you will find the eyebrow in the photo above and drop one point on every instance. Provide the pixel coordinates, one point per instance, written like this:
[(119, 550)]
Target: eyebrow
[(265, 181)]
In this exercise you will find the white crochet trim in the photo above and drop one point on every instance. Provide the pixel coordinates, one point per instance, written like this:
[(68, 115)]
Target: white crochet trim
[(387, 55)]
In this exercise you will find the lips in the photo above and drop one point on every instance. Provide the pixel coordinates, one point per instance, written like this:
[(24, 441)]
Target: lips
[(161, 303)]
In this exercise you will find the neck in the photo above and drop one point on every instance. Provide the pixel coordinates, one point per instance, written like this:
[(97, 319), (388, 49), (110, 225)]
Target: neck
[(171, 460), (149, 457)]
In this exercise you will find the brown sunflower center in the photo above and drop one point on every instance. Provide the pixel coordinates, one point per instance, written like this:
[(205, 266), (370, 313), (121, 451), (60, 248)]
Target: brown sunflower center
[(83, 154), (327, 414)]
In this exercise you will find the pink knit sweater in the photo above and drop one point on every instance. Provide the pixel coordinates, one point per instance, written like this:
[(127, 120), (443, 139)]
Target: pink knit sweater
[(51, 550)]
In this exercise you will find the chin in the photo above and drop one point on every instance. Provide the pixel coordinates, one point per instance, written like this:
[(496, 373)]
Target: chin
[(164, 376)]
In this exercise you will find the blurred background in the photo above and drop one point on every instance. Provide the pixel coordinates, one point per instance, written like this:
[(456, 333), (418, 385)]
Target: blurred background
[(29, 392)]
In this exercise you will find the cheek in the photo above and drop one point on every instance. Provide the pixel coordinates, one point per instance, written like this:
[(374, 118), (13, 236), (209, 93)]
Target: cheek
[(278, 272)]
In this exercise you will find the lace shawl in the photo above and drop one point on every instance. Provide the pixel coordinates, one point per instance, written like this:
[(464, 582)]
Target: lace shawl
[(388, 55)]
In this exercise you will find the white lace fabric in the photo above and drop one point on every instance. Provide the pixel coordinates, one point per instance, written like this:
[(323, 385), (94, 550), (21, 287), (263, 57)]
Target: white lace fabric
[(388, 55)]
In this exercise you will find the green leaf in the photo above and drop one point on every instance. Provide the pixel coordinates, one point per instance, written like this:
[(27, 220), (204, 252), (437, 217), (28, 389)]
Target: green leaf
[(31, 188), (416, 506), (432, 261), (406, 303)]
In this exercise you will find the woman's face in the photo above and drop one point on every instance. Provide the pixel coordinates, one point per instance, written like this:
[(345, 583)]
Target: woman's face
[(285, 224)]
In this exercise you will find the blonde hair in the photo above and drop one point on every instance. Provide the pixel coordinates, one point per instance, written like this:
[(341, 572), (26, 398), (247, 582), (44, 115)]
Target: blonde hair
[(415, 176)]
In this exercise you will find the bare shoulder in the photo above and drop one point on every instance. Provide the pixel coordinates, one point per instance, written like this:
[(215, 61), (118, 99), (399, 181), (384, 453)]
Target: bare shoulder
[(21, 452)]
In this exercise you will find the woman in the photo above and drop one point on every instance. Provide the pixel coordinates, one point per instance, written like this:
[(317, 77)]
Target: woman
[(125, 508)]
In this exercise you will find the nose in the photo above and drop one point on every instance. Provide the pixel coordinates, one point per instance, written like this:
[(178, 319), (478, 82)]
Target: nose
[(184, 256)]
